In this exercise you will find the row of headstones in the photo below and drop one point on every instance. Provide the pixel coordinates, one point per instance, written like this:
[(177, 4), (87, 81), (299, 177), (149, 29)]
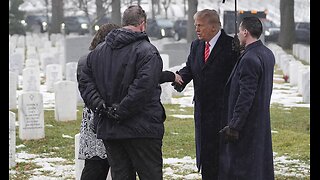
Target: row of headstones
[(31, 113), (31, 80), (302, 52), (296, 73)]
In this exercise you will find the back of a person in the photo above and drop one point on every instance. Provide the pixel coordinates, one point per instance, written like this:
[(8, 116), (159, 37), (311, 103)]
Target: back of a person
[(126, 52)]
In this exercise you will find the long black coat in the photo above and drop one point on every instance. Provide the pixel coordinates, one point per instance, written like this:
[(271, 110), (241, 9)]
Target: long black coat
[(126, 70), (209, 80), (250, 158)]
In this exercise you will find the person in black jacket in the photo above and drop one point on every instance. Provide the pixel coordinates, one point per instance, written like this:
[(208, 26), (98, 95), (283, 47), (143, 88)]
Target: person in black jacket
[(91, 149), (209, 71), (126, 71)]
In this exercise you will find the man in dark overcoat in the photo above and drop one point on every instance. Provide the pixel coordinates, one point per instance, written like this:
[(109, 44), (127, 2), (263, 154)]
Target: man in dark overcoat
[(248, 153), (209, 76)]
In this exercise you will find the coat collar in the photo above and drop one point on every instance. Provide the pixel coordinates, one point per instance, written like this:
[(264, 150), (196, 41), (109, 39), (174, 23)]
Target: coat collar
[(247, 48)]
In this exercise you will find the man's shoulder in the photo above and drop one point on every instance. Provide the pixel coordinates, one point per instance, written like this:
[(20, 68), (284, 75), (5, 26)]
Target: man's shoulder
[(146, 46)]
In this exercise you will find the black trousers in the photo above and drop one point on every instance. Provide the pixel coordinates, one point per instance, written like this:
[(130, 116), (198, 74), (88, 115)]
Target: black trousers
[(95, 169), (130, 156)]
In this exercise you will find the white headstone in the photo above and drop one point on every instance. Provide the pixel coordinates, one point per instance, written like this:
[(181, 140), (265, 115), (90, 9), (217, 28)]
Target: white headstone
[(79, 163), (31, 116), (31, 79), (53, 74), (167, 89), (293, 69), (21, 42), (16, 63), (12, 139), (65, 100), (71, 71), (32, 62), (75, 47), (46, 60), (301, 71), (306, 87), (12, 90)]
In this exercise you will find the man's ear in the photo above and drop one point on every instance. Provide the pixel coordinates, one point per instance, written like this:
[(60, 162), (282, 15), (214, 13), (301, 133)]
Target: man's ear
[(245, 32), (143, 26)]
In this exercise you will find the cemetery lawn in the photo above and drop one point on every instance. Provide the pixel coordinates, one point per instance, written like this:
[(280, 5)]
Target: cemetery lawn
[(290, 134)]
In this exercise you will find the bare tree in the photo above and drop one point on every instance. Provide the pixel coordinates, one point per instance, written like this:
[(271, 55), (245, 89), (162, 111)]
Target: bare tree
[(166, 4), (100, 9), (153, 14), (193, 5), (286, 36), (116, 13), (57, 16)]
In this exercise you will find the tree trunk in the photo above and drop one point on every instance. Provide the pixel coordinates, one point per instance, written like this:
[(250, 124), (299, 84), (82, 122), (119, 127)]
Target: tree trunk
[(116, 14), (191, 34), (100, 9), (153, 14), (286, 36), (57, 16)]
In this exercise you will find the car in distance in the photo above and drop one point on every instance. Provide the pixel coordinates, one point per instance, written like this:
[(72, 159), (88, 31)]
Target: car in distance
[(271, 30), (159, 28), (36, 23), (100, 22), (180, 29), (75, 24), (302, 32)]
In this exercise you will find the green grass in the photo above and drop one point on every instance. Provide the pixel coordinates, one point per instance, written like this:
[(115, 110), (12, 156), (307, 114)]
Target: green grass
[(53, 141), (179, 133), (292, 137), (293, 127)]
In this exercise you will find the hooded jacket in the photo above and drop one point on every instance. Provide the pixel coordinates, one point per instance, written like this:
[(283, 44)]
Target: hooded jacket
[(125, 69)]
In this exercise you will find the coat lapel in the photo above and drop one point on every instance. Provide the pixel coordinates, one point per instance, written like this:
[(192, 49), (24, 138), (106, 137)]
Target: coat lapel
[(257, 43), (218, 47)]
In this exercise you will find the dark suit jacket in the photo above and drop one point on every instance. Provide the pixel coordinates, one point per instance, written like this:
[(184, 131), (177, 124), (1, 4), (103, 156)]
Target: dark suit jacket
[(209, 80)]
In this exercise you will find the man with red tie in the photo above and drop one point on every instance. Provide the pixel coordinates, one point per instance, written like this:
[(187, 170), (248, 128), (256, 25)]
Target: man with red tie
[(209, 65)]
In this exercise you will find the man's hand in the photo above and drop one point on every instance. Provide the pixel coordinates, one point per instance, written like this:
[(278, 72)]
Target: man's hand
[(111, 112), (177, 86), (229, 134), (178, 82), (178, 79), (100, 108)]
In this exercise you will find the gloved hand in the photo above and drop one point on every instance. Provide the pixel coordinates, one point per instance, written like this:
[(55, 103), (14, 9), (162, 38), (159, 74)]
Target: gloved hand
[(229, 134), (100, 108), (177, 86), (111, 112)]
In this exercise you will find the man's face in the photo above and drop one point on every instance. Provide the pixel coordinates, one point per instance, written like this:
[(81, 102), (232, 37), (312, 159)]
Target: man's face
[(204, 30), (242, 34)]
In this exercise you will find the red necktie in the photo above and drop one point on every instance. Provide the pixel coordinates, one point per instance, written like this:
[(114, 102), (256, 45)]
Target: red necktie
[(206, 52)]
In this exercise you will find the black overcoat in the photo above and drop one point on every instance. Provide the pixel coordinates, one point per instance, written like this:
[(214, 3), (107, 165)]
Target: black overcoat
[(250, 84), (209, 80)]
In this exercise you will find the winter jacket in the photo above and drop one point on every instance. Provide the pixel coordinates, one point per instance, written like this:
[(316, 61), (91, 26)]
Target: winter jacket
[(126, 70)]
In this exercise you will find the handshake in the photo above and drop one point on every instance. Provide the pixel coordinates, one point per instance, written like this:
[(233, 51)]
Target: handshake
[(178, 82), (110, 112)]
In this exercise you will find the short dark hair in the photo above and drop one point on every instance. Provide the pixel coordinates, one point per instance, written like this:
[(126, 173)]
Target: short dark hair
[(101, 34), (133, 15), (253, 25)]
